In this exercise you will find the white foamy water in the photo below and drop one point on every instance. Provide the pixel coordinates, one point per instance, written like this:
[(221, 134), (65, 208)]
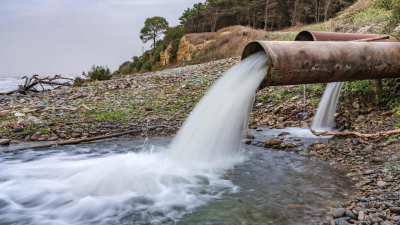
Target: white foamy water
[(155, 185), (323, 120)]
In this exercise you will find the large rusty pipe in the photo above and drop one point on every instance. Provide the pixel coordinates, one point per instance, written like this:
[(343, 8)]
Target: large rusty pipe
[(306, 62)]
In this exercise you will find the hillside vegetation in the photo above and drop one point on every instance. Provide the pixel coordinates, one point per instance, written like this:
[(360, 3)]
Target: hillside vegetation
[(178, 47)]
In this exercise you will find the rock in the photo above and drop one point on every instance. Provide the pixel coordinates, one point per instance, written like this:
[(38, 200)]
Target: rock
[(350, 214), (52, 139), (368, 172), (283, 133), (377, 159), (248, 136), (35, 137), (38, 107), (247, 141), (277, 109), (394, 209), (18, 129), (27, 138), (338, 213), (280, 126), (272, 142), (289, 145), (62, 135), (41, 139), (15, 142), (18, 114), (396, 219), (4, 141), (78, 130), (361, 215), (356, 105), (320, 146), (313, 153), (159, 129), (368, 149), (381, 183)]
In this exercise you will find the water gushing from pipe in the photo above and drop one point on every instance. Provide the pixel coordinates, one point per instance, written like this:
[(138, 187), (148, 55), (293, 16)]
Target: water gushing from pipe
[(323, 120)]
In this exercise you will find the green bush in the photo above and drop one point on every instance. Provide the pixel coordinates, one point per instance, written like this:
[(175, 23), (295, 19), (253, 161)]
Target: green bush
[(100, 73)]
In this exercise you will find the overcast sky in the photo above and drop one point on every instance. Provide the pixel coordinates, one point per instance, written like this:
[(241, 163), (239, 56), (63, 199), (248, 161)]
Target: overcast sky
[(48, 37)]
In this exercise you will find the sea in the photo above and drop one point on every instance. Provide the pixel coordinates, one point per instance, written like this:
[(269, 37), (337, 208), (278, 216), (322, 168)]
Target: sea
[(8, 84)]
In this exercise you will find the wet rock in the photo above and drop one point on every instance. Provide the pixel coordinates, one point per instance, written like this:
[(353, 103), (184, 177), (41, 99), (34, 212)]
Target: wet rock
[(247, 141), (27, 138), (41, 139), (313, 153), (350, 214), (320, 146), (338, 212), (52, 139), (62, 135), (248, 136), (272, 142), (18, 129), (394, 209), (283, 133), (280, 126), (4, 141), (15, 142)]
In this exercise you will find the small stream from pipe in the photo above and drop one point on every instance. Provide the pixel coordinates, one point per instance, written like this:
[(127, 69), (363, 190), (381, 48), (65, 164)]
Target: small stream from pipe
[(323, 120)]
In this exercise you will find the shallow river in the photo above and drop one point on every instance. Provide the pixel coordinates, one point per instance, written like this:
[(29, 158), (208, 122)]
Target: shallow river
[(130, 181)]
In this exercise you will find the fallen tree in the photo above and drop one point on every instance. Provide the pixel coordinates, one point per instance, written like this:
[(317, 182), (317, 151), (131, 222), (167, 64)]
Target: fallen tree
[(58, 143), (32, 83)]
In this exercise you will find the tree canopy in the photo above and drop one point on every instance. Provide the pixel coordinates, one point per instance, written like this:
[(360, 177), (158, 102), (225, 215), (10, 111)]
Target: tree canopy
[(153, 28), (213, 15)]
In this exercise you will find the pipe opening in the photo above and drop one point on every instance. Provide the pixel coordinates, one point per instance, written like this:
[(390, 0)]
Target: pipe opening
[(305, 36)]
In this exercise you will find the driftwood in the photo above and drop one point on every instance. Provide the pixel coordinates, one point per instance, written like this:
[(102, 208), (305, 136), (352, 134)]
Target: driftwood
[(376, 135), (57, 143), (30, 84)]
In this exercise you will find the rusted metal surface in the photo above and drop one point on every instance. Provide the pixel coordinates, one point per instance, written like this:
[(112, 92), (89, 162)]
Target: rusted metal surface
[(306, 62), (335, 36)]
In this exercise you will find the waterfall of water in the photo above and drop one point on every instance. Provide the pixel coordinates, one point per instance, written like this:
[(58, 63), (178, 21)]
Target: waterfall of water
[(323, 120), (212, 133)]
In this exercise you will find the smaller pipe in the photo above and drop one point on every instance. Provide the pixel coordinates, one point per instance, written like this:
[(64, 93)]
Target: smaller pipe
[(373, 39)]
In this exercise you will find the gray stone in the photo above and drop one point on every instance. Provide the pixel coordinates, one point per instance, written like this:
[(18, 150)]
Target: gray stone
[(350, 214), (368, 172), (361, 215), (18, 129), (396, 219), (339, 213), (368, 149), (52, 139), (381, 183)]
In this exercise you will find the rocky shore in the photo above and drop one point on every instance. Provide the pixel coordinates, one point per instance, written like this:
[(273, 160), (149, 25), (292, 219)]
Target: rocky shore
[(166, 98)]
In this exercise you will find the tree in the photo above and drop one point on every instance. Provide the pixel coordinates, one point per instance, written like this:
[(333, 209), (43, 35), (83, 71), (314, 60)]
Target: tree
[(153, 28)]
